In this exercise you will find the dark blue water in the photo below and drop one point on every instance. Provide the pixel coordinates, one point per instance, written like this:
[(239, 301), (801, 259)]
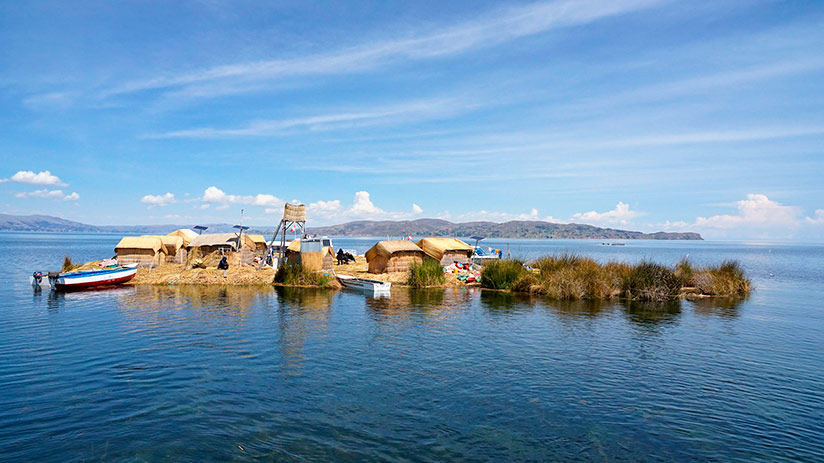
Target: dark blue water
[(233, 374)]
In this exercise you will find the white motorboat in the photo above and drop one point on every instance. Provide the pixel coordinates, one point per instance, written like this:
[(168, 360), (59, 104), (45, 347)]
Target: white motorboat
[(364, 284), (86, 279)]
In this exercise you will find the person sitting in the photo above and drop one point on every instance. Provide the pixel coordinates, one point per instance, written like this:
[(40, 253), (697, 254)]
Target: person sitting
[(341, 256), (223, 265)]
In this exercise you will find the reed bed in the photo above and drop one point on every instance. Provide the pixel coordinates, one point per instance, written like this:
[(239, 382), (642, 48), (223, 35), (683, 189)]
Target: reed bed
[(425, 274), (569, 276), (502, 274), (293, 274)]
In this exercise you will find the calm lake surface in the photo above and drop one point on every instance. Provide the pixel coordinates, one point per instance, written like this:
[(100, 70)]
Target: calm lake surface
[(233, 374)]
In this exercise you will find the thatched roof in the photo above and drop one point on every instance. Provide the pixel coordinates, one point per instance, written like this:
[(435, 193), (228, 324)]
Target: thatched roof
[(135, 242), (215, 239), (389, 247), (171, 243), (187, 234), (257, 238), (436, 247), (294, 212)]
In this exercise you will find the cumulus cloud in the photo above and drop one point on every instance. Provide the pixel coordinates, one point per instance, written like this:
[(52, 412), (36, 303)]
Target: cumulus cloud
[(215, 195), (621, 215), (158, 200), (49, 194), (362, 208), (40, 178), (756, 211)]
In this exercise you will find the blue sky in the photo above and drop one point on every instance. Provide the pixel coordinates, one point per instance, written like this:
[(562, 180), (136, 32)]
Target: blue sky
[(641, 114)]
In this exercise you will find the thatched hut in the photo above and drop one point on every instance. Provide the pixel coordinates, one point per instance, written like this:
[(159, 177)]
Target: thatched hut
[(146, 252), (311, 254), (256, 242), (393, 256), (446, 250), (211, 242), (186, 233), (172, 246)]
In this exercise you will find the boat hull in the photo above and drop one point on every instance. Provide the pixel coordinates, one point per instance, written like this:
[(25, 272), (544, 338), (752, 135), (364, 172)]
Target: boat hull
[(87, 280), (363, 284)]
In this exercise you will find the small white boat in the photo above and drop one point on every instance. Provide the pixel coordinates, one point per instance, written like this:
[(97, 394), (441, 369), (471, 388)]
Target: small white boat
[(364, 284), (86, 279)]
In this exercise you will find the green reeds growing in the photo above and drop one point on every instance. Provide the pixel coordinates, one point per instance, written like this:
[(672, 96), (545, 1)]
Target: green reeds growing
[(502, 274), (68, 265), (649, 281), (725, 279), (426, 273), (293, 274), (572, 277)]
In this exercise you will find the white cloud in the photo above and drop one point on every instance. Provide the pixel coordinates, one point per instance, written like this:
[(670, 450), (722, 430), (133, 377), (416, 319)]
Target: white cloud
[(215, 195), (621, 215), (48, 194), (493, 28), (362, 208), (818, 219), (41, 178), (41, 194), (158, 200), (406, 111), (489, 216), (756, 211)]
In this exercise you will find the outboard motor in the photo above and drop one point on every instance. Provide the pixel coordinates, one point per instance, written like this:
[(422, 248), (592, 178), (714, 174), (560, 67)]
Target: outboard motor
[(36, 279)]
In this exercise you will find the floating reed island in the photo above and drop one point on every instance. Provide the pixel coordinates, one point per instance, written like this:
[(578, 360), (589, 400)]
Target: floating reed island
[(570, 276)]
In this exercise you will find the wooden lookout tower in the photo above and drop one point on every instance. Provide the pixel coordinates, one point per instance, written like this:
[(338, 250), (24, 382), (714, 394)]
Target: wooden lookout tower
[(294, 215)]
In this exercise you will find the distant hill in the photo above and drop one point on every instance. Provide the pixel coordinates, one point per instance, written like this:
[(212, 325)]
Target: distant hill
[(43, 223), (47, 223), (420, 227), (512, 229)]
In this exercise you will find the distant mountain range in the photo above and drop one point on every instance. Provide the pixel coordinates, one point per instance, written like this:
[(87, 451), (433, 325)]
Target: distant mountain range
[(47, 223), (420, 227), (512, 229)]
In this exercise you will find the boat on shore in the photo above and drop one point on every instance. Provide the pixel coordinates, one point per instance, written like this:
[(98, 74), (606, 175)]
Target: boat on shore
[(85, 279), (364, 284)]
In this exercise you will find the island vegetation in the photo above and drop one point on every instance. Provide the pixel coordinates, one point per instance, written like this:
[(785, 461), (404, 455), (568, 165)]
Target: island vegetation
[(570, 276)]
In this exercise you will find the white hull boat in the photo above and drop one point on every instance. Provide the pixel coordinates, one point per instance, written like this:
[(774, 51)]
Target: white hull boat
[(364, 284), (87, 279)]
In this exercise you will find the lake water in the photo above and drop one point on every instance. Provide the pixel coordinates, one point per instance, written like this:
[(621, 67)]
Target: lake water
[(233, 374)]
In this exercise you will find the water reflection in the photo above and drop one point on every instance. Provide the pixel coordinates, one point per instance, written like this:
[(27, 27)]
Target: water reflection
[(650, 314), (302, 313), (726, 307), (502, 303), (405, 304)]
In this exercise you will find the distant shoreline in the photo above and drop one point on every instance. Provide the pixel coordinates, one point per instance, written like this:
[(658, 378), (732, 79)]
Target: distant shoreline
[(420, 227)]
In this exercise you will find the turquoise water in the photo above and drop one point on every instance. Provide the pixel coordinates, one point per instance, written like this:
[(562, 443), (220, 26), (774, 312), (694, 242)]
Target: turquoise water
[(232, 374)]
